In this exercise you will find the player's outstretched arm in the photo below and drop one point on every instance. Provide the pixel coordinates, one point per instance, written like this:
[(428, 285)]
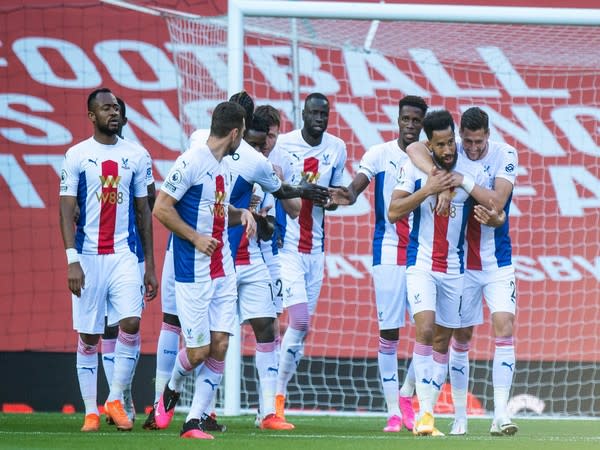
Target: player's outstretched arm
[(309, 191), (497, 196), (348, 195), (75, 275), (144, 226)]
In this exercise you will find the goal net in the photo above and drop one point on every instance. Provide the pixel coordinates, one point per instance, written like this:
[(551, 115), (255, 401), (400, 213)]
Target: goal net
[(539, 85)]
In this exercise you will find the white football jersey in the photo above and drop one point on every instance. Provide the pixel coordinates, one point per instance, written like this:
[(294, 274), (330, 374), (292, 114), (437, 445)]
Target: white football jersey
[(105, 179), (437, 242), (139, 251), (202, 186), (248, 166), (322, 164), (199, 137), (382, 163), (489, 248)]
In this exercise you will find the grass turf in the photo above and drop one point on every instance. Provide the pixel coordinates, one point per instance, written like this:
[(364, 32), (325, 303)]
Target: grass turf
[(60, 431)]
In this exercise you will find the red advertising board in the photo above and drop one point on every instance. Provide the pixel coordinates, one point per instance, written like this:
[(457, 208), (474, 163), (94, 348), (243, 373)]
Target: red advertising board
[(51, 57)]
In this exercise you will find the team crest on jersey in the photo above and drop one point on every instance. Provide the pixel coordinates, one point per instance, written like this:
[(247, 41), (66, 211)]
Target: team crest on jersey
[(125, 163)]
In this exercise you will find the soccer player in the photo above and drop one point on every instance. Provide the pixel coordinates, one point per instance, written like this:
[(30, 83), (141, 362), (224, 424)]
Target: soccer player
[(253, 278), (434, 266), (194, 205), (320, 157), (106, 178), (247, 167), (489, 273), (382, 163), (111, 332)]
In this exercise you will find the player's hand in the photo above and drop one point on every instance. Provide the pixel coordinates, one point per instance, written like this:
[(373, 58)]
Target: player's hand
[(340, 195), (438, 181), (248, 221), (76, 278), (254, 202), (150, 285), (442, 207), (265, 226), (312, 191), (491, 216), (206, 244)]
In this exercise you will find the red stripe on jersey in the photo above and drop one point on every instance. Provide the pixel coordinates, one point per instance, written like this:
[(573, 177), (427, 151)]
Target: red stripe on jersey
[(242, 257), (311, 167), (216, 260), (109, 181), (439, 251), (473, 243), (402, 230)]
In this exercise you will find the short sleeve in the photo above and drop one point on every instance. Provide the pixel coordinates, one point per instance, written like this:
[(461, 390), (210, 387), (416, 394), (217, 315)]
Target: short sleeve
[(69, 175)]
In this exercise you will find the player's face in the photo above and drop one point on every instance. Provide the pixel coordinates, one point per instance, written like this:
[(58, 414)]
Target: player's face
[(105, 114), (316, 117), (475, 142), (443, 147), (410, 124), (272, 136), (256, 139)]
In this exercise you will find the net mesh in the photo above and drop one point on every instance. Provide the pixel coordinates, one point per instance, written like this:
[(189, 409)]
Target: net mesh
[(539, 85)]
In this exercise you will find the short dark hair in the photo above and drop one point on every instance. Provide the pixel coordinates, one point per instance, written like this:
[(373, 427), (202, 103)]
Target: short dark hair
[(92, 97), (315, 96), (413, 100), (259, 123), (474, 119), (243, 98), (226, 117), (269, 113), (122, 108), (437, 120)]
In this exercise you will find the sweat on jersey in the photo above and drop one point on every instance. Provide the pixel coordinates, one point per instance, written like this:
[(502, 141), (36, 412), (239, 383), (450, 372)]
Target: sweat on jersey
[(105, 179), (437, 242), (383, 162), (201, 185), (489, 248), (324, 165), (248, 166)]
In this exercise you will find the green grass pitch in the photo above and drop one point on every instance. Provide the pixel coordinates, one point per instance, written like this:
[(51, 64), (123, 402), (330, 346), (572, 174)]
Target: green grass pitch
[(60, 431)]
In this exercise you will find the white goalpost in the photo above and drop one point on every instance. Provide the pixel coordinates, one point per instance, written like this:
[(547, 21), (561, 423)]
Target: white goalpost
[(534, 70)]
